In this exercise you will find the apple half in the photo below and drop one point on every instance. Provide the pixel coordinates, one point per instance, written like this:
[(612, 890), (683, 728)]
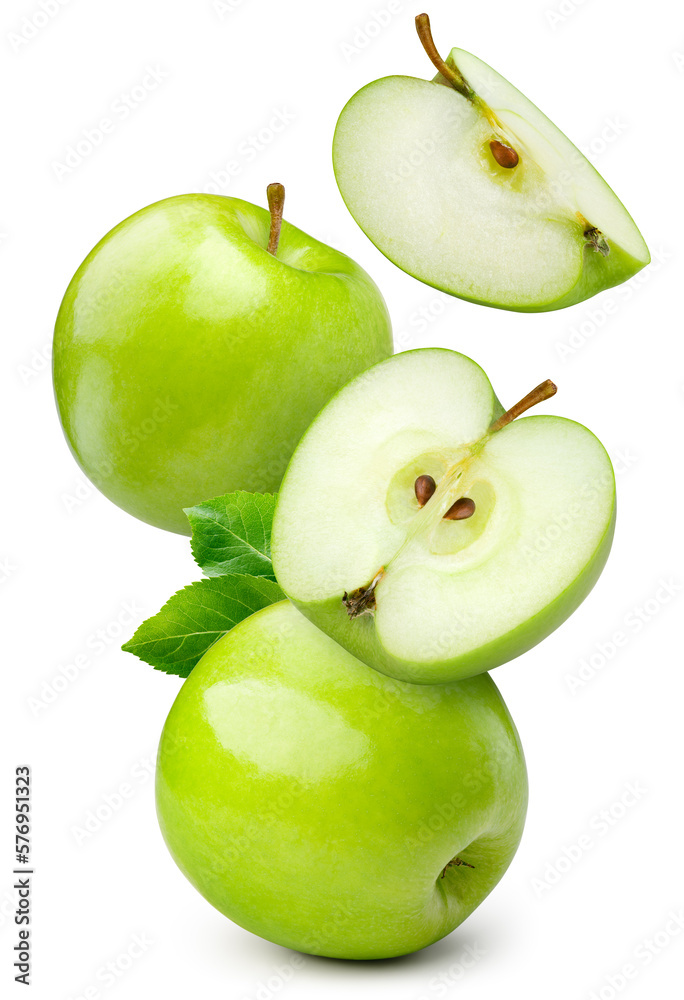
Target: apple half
[(414, 593), (463, 183)]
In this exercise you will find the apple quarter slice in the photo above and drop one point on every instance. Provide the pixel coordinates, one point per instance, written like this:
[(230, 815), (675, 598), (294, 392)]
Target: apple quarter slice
[(535, 229), (415, 595)]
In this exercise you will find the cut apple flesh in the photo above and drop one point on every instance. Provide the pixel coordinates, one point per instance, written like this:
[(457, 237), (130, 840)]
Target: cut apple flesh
[(450, 598), (415, 167)]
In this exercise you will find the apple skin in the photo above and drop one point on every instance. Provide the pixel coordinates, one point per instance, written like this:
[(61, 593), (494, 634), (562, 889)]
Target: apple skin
[(362, 640), (188, 360), (315, 801)]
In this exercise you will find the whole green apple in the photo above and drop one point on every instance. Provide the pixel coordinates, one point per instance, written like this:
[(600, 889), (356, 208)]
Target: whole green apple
[(195, 344), (440, 537), (329, 809), (462, 182)]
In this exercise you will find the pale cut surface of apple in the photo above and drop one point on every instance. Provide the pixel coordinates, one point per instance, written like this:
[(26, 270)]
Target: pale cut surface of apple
[(415, 168), (452, 598)]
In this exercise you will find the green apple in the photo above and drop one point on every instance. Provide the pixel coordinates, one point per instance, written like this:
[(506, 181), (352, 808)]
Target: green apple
[(464, 183), (195, 344), (433, 535), (329, 808)]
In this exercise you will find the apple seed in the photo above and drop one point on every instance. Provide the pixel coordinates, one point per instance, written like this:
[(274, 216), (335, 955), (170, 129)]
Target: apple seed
[(459, 511), (504, 155), (424, 487)]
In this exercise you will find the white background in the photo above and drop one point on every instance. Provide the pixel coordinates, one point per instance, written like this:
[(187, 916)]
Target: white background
[(611, 74)]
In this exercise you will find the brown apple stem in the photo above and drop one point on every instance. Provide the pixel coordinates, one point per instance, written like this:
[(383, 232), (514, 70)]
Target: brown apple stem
[(276, 202), (450, 73), (543, 391)]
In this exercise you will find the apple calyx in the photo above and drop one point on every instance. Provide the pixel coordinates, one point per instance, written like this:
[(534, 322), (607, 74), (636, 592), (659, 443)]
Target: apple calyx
[(455, 863), (362, 600), (597, 241), (503, 152), (275, 194)]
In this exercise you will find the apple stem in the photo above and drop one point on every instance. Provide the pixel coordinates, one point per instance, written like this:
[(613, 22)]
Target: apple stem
[(503, 152), (276, 202), (543, 391), (450, 73)]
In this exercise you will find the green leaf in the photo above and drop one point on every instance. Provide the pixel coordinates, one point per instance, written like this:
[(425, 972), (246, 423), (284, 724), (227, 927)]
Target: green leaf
[(194, 618), (232, 534)]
